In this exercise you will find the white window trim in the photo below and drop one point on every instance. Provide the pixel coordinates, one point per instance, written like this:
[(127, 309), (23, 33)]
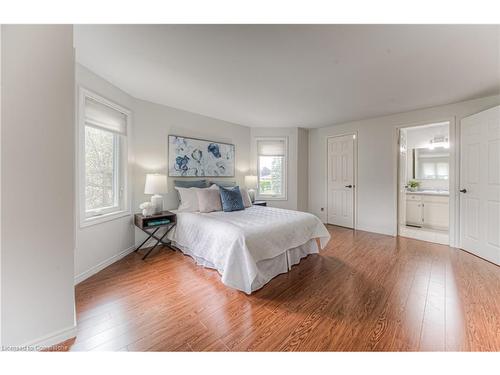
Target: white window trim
[(86, 221), (266, 197)]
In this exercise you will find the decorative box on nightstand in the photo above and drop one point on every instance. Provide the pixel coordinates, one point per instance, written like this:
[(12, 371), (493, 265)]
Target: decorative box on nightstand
[(260, 203)]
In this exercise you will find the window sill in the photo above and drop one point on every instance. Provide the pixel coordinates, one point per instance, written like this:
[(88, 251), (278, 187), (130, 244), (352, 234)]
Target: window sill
[(264, 198), (87, 222)]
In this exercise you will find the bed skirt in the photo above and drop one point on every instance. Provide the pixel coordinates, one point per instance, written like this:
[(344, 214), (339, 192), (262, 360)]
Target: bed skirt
[(267, 269)]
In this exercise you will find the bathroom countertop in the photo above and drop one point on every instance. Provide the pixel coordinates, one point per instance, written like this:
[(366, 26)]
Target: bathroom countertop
[(441, 193)]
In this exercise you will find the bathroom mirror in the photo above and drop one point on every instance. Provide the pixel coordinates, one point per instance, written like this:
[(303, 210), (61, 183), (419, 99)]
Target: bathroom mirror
[(431, 164)]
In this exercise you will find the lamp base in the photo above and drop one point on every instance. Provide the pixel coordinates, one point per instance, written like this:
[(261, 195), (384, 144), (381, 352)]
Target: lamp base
[(251, 192), (157, 201)]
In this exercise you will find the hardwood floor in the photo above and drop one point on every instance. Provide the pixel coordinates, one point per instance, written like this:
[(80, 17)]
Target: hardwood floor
[(365, 292)]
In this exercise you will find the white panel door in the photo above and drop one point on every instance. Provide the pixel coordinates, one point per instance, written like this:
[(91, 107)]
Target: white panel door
[(480, 184), (341, 181)]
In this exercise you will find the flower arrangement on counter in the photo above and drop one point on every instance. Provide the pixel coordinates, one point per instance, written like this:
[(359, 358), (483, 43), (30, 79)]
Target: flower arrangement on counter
[(413, 185)]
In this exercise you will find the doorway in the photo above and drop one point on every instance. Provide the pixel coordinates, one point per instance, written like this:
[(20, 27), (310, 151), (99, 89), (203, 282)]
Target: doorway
[(424, 167), (341, 180)]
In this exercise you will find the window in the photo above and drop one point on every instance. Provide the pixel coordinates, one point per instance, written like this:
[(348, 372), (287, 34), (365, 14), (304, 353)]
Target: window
[(101, 167), (271, 168), (435, 169), (103, 161), (431, 164)]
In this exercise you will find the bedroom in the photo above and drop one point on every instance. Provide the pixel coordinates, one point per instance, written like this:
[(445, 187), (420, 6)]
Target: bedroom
[(238, 187)]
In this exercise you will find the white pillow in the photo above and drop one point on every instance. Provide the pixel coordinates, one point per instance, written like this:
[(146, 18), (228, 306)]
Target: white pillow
[(209, 200), (247, 202), (189, 199)]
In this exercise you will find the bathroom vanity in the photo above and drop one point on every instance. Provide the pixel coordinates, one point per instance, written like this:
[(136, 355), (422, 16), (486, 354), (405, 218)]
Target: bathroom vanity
[(428, 209)]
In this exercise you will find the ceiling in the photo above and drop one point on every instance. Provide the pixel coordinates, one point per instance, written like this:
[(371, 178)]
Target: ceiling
[(295, 75)]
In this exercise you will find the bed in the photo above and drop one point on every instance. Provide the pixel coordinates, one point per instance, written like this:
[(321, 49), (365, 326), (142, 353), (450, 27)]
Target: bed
[(250, 247)]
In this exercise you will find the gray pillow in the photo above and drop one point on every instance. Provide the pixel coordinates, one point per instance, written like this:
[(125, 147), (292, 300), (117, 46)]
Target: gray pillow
[(224, 183), (191, 183), (209, 200)]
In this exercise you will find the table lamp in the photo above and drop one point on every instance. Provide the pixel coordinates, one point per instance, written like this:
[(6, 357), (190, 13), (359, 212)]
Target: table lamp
[(156, 184), (251, 184)]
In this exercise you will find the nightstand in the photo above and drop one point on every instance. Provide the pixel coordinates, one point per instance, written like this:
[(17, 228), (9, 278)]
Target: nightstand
[(260, 203), (152, 224)]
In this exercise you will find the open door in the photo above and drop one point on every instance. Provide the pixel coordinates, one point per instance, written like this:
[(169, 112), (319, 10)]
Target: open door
[(480, 184)]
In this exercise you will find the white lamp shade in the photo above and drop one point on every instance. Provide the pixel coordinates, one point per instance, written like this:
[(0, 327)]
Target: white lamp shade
[(155, 184), (251, 182)]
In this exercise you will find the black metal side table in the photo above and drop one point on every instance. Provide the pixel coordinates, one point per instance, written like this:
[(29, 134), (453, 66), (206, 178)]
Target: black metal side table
[(151, 225)]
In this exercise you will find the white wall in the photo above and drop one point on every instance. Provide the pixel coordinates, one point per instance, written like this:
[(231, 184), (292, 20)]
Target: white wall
[(37, 185), (1, 90), (419, 137), (154, 122), (102, 244), (302, 169), (376, 188)]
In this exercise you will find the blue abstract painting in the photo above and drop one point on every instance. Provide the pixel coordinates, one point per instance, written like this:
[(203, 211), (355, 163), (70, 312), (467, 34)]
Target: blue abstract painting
[(191, 157)]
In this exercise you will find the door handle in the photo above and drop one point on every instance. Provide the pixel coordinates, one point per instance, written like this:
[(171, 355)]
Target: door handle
[(348, 186), (463, 191)]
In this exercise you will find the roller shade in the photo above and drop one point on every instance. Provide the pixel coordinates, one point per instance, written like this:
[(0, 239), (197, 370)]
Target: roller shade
[(275, 147), (102, 116)]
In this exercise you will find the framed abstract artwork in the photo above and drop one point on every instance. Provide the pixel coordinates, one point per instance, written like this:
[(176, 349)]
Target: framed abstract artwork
[(192, 157)]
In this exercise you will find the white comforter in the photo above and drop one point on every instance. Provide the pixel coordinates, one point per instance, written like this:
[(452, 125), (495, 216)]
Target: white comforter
[(233, 242)]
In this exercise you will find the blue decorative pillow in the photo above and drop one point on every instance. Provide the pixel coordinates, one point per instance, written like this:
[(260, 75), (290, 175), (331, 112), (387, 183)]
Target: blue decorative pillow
[(231, 199)]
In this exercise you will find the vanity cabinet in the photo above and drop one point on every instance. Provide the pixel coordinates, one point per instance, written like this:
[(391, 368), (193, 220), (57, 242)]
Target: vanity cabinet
[(428, 211), (436, 212), (414, 214)]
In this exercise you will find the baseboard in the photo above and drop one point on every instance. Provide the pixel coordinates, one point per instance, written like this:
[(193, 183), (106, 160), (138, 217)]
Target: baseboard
[(92, 271), (373, 230), (50, 339)]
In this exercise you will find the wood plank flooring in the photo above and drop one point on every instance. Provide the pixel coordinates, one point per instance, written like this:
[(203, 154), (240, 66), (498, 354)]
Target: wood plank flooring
[(365, 292)]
